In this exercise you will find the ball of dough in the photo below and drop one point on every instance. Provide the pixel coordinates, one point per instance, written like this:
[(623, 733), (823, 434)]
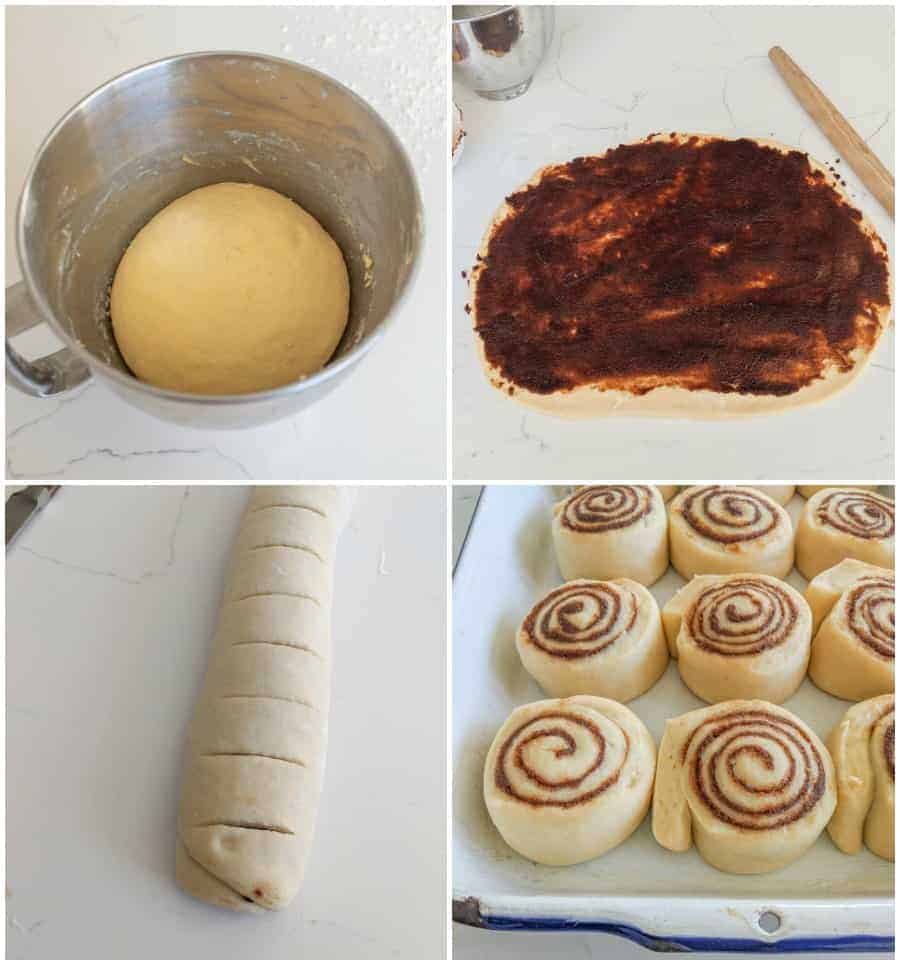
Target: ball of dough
[(230, 289)]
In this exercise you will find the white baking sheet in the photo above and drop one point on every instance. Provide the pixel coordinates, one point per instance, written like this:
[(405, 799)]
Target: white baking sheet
[(506, 564)]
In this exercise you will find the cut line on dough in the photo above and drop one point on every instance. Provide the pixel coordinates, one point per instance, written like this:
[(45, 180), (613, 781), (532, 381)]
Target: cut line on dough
[(296, 596), (309, 509), (285, 546), (278, 643), (268, 757), (245, 826), (290, 700)]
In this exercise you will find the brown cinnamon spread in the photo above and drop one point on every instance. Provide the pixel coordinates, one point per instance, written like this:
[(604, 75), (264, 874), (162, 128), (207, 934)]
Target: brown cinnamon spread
[(687, 262)]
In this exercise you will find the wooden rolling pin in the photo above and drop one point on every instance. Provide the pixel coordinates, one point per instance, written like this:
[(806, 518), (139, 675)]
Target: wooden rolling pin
[(837, 129)]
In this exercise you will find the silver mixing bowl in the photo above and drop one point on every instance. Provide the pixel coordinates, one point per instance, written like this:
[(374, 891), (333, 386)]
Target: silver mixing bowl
[(162, 130)]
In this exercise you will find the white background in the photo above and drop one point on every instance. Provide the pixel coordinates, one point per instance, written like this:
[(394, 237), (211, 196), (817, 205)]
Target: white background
[(387, 420), (615, 74), (112, 594)]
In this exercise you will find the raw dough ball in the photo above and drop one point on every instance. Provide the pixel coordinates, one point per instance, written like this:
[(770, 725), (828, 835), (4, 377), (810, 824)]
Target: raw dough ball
[(232, 288)]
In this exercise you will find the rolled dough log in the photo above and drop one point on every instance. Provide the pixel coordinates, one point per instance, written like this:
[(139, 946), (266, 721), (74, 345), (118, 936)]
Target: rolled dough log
[(256, 746)]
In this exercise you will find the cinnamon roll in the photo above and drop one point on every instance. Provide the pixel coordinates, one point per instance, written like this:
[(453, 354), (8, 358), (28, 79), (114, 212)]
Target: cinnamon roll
[(840, 523), (729, 529), (567, 780), (853, 650), (781, 494), (746, 781), (667, 492), (741, 636), (862, 746), (807, 492), (604, 532), (592, 637)]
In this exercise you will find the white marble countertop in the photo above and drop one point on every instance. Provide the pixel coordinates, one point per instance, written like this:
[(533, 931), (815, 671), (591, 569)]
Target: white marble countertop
[(614, 74), (387, 420), (112, 595)]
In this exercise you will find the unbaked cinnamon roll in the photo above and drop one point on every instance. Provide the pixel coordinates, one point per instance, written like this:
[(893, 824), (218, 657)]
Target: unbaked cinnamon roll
[(605, 532), (746, 781), (862, 746), (740, 636), (593, 637), (837, 524), (853, 650), (729, 529), (567, 780)]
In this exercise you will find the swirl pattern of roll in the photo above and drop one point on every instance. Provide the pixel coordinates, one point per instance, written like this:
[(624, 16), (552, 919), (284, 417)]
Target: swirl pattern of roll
[(729, 529), (853, 650), (605, 532), (862, 746), (837, 524), (567, 780), (747, 782), (603, 638), (739, 636)]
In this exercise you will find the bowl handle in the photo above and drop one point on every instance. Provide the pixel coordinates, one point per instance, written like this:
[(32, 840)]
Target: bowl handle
[(49, 376)]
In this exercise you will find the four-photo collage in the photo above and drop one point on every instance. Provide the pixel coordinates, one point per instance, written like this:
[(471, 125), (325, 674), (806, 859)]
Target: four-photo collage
[(449, 481)]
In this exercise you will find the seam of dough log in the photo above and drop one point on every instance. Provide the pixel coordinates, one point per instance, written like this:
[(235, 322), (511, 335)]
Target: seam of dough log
[(221, 881), (244, 826), (267, 757)]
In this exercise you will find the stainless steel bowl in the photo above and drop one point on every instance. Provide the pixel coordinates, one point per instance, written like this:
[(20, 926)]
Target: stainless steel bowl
[(498, 49), (161, 130)]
